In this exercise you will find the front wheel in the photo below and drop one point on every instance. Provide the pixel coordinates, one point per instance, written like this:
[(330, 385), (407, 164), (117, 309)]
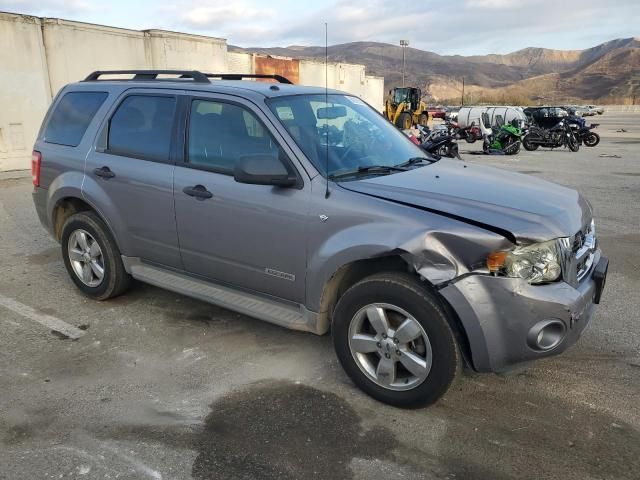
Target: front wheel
[(591, 140), (393, 339), (404, 121), (572, 143)]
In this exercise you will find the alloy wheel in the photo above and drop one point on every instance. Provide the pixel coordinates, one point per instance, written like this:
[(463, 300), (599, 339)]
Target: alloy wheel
[(86, 258), (390, 346)]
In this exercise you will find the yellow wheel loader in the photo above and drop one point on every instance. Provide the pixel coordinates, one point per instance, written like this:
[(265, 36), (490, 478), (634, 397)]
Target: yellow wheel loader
[(404, 108)]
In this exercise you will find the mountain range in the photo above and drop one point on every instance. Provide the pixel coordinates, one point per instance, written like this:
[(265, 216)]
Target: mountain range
[(606, 73)]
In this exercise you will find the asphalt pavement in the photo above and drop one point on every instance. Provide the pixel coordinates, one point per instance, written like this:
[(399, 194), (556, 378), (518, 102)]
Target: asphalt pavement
[(154, 385)]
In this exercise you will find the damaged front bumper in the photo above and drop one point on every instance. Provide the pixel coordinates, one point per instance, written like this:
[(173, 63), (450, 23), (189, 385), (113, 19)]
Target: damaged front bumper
[(505, 319)]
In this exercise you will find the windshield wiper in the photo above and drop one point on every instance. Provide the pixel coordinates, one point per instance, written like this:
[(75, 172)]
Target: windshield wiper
[(369, 169), (416, 160)]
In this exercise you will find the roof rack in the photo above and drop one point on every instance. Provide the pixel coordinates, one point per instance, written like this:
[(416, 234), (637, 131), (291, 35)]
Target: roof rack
[(241, 76), (195, 75)]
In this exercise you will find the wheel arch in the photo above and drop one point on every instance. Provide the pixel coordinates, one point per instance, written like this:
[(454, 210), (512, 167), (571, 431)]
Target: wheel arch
[(70, 204), (393, 261)]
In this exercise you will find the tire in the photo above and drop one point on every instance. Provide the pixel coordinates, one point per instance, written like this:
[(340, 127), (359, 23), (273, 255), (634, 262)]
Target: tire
[(526, 143), (513, 148), (404, 121), (115, 280), (423, 119), (470, 138), (591, 140), (573, 144), (414, 304)]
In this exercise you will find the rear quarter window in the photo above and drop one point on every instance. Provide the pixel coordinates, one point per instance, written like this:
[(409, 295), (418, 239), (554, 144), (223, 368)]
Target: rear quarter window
[(71, 117)]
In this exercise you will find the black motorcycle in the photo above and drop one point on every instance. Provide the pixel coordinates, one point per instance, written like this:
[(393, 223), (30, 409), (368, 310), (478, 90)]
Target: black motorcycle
[(582, 132), (560, 135), (441, 144)]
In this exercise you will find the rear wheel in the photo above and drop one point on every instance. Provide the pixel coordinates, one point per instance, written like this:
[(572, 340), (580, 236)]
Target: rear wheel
[(393, 339), (92, 257), (592, 139), (404, 121), (529, 142)]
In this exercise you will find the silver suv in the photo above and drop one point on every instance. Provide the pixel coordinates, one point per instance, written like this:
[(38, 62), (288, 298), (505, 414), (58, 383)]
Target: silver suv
[(306, 208)]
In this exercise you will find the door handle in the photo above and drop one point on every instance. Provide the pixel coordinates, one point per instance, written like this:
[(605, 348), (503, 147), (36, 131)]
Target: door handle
[(198, 191), (104, 172)]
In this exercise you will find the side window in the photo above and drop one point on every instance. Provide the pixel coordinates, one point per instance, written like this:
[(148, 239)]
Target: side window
[(141, 127), (71, 117), (221, 133)]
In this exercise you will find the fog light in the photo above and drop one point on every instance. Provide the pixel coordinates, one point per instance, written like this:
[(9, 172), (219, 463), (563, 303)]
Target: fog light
[(546, 335)]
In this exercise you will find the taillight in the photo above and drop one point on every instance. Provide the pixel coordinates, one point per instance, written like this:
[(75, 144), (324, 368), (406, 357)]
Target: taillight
[(36, 161)]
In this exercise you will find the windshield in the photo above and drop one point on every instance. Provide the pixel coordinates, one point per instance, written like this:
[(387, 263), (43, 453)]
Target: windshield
[(353, 134)]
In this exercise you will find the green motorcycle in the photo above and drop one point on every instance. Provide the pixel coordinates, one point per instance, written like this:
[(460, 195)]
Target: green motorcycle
[(502, 140)]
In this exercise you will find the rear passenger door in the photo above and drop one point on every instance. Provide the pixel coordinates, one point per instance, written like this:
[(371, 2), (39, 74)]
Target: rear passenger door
[(130, 175), (248, 236)]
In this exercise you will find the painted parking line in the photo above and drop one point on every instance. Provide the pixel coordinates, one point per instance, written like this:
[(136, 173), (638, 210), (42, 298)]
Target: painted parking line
[(48, 321)]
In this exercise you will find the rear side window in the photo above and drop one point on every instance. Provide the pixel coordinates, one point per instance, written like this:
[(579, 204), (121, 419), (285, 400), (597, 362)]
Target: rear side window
[(72, 116), (141, 127)]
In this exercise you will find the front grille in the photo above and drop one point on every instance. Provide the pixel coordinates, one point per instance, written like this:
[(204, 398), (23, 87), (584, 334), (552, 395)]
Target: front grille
[(584, 247), (578, 254)]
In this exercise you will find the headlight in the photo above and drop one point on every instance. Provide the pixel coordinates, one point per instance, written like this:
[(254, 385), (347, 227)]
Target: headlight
[(537, 263)]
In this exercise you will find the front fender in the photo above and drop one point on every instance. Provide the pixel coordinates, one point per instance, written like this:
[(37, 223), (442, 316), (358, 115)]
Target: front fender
[(438, 248)]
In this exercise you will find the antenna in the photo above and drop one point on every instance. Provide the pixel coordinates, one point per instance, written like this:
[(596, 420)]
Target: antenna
[(326, 103)]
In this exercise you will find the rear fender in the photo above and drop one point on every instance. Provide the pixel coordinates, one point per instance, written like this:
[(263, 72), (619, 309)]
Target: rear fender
[(100, 201)]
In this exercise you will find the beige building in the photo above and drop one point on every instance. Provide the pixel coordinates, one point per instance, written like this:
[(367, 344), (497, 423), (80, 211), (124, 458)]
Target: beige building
[(41, 55)]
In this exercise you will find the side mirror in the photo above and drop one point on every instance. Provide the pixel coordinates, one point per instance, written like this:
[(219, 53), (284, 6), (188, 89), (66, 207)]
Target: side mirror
[(263, 169)]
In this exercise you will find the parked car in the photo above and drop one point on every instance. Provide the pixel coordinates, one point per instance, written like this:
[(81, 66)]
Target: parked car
[(437, 112), (597, 110), (579, 110), (233, 192)]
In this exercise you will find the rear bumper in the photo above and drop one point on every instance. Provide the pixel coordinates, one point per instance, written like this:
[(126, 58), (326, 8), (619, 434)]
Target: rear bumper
[(40, 197), (499, 315)]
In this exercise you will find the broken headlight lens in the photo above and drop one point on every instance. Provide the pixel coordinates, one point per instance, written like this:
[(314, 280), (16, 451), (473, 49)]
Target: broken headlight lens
[(537, 263)]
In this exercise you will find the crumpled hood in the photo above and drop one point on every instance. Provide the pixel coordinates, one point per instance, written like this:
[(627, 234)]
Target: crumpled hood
[(530, 209)]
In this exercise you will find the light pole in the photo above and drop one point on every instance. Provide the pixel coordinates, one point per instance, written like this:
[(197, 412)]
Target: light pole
[(404, 44)]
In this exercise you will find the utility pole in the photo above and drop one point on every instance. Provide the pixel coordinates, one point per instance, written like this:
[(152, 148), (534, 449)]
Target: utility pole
[(404, 44), (462, 100)]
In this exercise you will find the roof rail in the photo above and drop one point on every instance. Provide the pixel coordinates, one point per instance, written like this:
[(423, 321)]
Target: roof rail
[(196, 76), (241, 76)]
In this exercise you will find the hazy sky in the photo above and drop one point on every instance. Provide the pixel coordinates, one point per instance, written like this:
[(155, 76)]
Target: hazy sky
[(465, 27)]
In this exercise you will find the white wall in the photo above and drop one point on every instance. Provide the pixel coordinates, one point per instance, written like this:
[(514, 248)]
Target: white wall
[(347, 77), (41, 55), (24, 88), (374, 92), (239, 62), (76, 49), (171, 50)]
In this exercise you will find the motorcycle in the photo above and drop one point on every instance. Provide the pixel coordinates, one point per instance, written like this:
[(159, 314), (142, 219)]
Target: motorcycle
[(582, 132), (560, 135), (440, 143), (503, 139)]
